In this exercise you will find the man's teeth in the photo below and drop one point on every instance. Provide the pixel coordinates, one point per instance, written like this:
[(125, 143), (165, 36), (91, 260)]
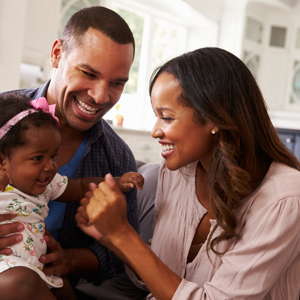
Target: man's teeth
[(167, 147), (85, 108)]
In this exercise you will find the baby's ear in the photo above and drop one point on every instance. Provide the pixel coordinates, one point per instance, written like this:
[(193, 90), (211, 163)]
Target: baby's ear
[(3, 159)]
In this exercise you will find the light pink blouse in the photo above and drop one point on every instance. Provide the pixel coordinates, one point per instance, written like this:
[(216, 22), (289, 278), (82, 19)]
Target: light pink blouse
[(263, 264)]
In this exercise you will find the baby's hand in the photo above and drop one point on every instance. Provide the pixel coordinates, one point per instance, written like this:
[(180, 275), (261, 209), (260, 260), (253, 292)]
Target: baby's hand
[(129, 180), (4, 180)]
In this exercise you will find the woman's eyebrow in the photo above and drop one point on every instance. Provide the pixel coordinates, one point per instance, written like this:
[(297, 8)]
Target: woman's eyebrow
[(164, 108)]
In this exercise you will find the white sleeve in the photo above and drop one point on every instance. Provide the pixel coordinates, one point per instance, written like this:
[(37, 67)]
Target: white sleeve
[(57, 186), (266, 257)]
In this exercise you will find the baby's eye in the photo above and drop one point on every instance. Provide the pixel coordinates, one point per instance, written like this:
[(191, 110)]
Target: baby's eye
[(37, 157), (53, 156)]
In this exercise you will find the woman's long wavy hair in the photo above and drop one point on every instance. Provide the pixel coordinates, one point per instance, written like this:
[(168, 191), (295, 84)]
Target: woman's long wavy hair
[(221, 89)]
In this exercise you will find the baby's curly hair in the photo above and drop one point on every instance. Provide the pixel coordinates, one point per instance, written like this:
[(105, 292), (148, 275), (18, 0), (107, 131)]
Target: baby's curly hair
[(11, 104)]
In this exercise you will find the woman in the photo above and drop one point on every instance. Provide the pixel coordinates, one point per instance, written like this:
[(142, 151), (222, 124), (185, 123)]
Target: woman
[(227, 208)]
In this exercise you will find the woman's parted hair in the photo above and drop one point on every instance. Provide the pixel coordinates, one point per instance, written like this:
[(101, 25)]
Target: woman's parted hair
[(221, 89), (12, 103)]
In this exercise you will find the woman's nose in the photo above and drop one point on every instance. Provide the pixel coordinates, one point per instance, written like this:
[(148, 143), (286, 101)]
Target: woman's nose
[(157, 132)]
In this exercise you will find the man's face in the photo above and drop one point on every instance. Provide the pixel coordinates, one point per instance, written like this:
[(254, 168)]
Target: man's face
[(88, 81)]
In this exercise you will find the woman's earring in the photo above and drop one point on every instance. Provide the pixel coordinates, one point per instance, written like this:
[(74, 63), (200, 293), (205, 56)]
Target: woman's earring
[(213, 132)]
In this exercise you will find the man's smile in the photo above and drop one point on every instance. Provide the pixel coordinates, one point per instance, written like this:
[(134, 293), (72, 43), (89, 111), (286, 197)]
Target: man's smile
[(86, 108)]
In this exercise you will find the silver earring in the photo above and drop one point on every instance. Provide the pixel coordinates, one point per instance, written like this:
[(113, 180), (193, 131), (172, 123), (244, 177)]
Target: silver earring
[(213, 132)]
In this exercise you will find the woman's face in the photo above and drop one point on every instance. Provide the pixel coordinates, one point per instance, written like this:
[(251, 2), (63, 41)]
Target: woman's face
[(182, 140)]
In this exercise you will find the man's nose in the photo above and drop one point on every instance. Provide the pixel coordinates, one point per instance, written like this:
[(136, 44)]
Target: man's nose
[(99, 92)]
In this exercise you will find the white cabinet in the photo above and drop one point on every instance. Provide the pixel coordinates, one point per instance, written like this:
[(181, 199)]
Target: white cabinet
[(143, 146)]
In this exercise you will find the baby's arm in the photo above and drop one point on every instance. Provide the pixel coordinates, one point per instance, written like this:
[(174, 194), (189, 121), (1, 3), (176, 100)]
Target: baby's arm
[(77, 187)]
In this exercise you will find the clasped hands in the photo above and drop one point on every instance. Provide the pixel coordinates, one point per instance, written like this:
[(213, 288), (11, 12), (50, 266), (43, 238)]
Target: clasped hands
[(103, 212)]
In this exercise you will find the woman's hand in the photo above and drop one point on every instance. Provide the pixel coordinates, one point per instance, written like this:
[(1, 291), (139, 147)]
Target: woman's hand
[(107, 209), (103, 211)]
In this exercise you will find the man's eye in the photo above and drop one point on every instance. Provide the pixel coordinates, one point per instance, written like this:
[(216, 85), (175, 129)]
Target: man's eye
[(117, 83), (88, 74)]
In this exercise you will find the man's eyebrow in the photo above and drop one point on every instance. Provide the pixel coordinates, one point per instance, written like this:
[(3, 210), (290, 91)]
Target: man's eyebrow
[(89, 68), (92, 70)]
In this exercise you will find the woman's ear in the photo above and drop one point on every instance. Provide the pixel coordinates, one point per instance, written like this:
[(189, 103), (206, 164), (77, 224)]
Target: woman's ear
[(214, 129)]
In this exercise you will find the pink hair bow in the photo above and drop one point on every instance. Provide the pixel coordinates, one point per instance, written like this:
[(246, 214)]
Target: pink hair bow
[(41, 103)]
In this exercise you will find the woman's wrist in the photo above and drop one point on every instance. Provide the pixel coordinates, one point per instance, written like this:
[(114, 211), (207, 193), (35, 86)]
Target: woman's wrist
[(119, 239)]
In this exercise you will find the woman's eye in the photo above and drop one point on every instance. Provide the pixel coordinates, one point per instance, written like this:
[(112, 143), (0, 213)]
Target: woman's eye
[(166, 119)]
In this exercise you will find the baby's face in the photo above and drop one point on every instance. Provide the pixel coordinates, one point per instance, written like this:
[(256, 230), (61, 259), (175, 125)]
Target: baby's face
[(33, 166)]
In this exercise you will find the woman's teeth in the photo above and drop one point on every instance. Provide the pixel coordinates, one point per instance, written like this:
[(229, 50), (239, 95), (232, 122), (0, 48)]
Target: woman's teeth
[(85, 108), (167, 147)]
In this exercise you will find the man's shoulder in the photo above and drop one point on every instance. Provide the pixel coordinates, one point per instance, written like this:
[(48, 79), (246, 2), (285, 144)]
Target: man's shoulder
[(32, 93), (27, 92)]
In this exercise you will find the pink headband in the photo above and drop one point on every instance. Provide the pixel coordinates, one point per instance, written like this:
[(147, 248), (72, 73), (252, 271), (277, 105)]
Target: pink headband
[(39, 104)]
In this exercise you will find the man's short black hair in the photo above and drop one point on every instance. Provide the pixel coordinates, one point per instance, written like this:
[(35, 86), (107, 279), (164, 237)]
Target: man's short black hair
[(100, 18)]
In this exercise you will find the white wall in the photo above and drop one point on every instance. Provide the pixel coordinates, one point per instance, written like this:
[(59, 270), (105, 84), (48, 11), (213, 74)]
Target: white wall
[(12, 29)]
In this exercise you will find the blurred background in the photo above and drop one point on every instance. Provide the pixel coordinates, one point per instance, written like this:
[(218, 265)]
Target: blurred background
[(265, 34)]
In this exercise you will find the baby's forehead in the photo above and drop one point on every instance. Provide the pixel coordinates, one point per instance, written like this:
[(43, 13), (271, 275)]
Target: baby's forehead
[(42, 137)]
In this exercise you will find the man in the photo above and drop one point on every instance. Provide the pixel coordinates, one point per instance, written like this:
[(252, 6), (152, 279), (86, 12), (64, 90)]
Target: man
[(91, 66)]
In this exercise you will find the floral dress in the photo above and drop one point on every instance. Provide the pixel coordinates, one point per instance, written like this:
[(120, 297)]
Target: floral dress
[(31, 211)]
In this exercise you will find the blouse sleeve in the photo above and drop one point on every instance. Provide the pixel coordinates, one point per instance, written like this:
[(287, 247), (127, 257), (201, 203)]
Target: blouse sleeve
[(57, 186), (269, 245)]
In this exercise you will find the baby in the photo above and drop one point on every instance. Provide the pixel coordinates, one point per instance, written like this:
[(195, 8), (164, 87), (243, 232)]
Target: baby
[(29, 142)]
